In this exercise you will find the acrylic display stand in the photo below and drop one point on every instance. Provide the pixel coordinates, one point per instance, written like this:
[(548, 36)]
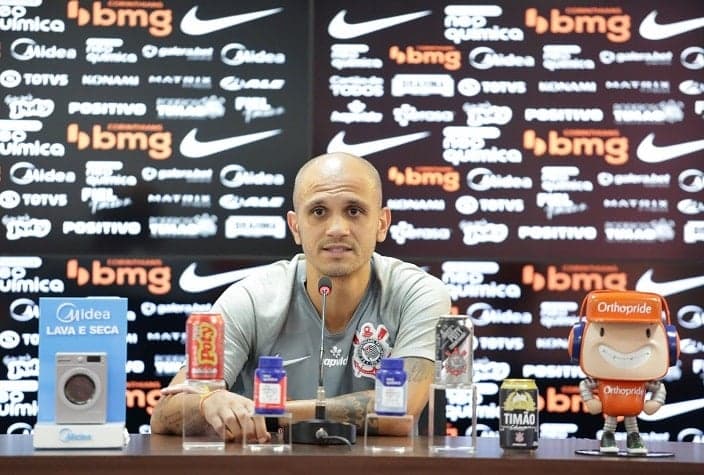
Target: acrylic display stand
[(111, 435), (279, 428), (439, 441), (389, 443), (201, 437)]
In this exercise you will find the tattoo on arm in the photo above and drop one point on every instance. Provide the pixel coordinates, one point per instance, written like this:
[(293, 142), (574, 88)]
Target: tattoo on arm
[(351, 408), (354, 407), (171, 416), (172, 421), (418, 369)]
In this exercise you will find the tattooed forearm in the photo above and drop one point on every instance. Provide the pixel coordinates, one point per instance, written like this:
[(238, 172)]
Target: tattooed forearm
[(169, 418), (352, 408), (171, 422), (418, 369)]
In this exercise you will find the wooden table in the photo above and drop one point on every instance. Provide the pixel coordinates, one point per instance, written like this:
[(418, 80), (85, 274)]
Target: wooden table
[(162, 455)]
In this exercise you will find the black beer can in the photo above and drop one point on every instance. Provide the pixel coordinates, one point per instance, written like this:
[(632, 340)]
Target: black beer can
[(518, 414)]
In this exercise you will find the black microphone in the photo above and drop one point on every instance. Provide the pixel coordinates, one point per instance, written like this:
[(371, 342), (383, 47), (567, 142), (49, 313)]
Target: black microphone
[(324, 289), (320, 430)]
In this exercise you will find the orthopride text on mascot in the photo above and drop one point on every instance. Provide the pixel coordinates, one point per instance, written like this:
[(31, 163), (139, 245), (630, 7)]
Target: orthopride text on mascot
[(624, 346)]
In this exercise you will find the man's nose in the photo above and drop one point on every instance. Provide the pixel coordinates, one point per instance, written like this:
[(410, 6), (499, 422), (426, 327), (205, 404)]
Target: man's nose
[(338, 225)]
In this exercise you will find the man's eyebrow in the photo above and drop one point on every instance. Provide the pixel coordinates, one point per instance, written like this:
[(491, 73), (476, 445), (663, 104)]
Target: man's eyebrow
[(314, 203), (323, 202)]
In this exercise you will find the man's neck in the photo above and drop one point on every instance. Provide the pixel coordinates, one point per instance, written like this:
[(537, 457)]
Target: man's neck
[(347, 292)]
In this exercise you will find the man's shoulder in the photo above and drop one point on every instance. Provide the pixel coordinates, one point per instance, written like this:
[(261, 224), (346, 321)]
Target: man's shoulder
[(267, 278), (281, 269), (403, 274), (265, 292), (392, 266)]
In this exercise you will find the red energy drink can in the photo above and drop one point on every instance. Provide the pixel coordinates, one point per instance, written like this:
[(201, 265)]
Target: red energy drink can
[(205, 338)]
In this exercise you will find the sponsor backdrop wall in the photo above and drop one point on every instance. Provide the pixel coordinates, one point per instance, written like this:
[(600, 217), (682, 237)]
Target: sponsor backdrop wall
[(530, 151)]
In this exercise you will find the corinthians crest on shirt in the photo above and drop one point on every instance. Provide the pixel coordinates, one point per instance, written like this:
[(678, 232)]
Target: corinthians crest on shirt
[(370, 345)]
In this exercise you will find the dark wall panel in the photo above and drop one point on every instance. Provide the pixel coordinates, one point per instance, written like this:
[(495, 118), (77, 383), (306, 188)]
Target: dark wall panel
[(529, 151)]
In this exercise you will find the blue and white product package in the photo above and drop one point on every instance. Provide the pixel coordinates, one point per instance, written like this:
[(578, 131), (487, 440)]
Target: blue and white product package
[(82, 377)]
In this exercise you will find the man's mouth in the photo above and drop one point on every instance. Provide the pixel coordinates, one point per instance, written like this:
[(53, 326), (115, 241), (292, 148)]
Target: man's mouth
[(336, 249)]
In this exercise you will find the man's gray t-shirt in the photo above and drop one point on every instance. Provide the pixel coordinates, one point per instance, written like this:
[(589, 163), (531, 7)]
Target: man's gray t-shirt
[(270, 313)]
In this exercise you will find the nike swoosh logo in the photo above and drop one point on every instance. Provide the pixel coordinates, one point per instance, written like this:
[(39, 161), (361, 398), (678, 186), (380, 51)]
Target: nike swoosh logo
[(337, 144), (295, 360), (652, 30), (191, 147), (648, 152), (340, 29), (194, 283), (673, 409), (646, 284), (194, 26)]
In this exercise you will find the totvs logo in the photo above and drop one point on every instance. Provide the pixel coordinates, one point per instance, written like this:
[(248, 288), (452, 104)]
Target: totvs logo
[(607, 20), (157, 21)]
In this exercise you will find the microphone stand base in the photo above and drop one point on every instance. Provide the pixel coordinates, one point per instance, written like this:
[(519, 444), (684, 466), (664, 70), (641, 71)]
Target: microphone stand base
[(323, 432)]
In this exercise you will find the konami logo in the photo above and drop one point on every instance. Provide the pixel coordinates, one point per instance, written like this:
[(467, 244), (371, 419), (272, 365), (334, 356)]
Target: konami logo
[(609, 21), (576, 278), (608, 144), (149, 273), (150, 137), (157, 21)]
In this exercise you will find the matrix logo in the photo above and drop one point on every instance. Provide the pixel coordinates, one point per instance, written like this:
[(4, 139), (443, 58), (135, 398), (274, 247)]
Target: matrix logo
[(611, 22), (149, 273), (151, 138), (157, 21), (573, 277)]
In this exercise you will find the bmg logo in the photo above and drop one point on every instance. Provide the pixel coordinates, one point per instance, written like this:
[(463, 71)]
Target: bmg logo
[(81, 384)]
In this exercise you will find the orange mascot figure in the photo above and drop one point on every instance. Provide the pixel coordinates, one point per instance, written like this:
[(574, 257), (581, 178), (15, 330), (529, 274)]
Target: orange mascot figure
[(624, 343)]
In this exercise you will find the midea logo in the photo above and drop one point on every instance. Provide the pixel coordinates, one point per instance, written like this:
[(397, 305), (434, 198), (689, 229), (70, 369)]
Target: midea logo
[(68, 313), (67, 435)]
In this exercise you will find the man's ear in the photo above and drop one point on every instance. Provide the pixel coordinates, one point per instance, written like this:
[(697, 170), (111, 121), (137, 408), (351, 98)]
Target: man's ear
[(292, 221), (384, 223)]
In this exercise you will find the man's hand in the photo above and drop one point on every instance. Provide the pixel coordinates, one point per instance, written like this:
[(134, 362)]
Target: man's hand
[(220, 409), (223, 409)]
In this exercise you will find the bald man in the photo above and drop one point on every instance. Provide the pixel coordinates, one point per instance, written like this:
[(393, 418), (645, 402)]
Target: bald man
[(379, 307)]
